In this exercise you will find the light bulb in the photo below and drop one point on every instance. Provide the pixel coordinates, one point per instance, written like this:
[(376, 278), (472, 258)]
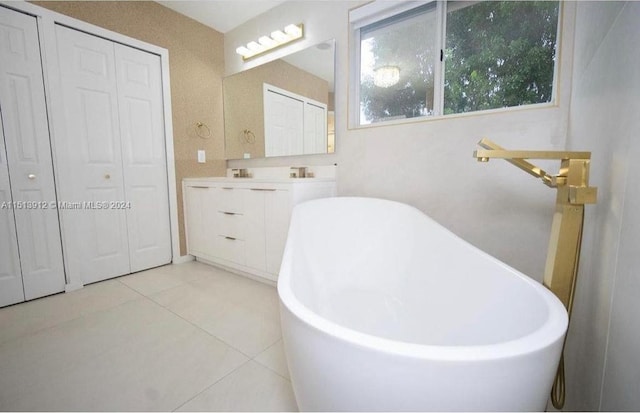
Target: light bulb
[(267, 41), (255, 47), (279, 36), (243, 51), (293, 31)]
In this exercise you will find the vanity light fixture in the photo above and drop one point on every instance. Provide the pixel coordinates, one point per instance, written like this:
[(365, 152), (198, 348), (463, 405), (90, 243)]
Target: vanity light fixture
[(278, 38), (386, 76)]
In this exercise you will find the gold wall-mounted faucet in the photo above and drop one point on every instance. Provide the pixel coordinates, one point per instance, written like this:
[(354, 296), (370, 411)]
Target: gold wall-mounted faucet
[(517, 158), (563, 255)]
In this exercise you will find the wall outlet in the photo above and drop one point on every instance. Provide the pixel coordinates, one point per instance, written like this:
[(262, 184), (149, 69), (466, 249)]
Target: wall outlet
[(247, 155), (202, 157)]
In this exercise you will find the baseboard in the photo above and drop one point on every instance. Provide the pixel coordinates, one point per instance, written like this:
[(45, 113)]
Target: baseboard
[(183, 258), (72, 287), (238, 271)]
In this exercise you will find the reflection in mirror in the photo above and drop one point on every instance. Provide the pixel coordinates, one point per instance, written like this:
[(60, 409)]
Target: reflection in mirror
[(282, 108)]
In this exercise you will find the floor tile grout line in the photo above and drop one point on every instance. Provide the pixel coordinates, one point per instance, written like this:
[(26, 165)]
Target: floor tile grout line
[(249, 358), (200, 328), (149, 297), (130, 287), (78, 317), (139, 296), (214, 383), (272, 370), (264, 365)]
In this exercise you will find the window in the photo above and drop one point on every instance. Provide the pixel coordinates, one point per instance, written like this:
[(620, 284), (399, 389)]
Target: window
[(488, 54), (397, 66)]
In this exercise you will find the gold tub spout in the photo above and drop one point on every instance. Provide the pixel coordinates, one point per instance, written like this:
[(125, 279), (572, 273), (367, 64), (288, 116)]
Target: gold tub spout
[(573, 192), (517, 158)]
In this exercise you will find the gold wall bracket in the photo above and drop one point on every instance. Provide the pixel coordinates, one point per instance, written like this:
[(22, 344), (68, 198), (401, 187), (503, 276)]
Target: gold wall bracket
[(563, 255)]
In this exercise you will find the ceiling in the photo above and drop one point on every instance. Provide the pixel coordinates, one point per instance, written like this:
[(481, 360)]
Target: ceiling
[(222, 15)]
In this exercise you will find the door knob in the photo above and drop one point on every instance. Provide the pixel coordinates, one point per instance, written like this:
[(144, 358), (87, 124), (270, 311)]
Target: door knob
[(31, 176), (107, 176)]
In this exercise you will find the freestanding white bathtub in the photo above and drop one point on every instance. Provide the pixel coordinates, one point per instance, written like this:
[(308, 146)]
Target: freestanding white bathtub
[(384, 309)]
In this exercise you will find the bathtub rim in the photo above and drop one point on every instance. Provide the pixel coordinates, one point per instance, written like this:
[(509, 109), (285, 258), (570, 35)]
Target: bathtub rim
[(553, 329)]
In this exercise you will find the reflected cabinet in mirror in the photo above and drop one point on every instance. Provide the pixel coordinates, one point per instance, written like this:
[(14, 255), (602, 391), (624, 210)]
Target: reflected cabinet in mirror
[(282, 108)]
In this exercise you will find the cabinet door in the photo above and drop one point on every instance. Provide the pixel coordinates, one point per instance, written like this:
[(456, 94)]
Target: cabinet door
[(254, 219), (28, 150), (89, 158), (143, 157), (200, 211), (194, 219), (277, 210)]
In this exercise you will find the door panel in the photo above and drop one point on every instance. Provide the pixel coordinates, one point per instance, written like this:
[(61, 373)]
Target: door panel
[(89, 157), (315, 128), (144, 160), (11, 291), (97, 130), (28, 151), (283, 124)]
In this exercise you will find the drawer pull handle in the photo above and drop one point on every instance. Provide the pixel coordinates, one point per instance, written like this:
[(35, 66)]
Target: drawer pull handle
[(226, 187), (229, 213), (230, 238), (198, 187), (263, 189)]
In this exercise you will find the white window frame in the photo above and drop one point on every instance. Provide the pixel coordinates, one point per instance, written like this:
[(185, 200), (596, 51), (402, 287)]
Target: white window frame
[(381, 9)]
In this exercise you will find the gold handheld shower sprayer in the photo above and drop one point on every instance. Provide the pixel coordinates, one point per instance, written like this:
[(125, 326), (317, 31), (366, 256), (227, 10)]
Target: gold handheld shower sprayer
[(563, 255)]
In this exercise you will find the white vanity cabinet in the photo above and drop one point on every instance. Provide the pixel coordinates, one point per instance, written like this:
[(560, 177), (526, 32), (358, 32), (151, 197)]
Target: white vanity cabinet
[(242, 224)]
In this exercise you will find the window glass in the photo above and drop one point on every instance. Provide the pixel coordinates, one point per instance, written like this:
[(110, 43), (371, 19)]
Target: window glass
[(397, 63), (499, 54)]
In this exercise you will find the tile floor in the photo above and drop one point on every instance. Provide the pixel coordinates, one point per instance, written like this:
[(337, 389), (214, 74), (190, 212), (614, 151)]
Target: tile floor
[(186, 337)]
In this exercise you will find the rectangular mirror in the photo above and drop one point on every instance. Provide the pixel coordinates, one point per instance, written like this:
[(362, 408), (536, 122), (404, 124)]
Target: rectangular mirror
[(284, 107)]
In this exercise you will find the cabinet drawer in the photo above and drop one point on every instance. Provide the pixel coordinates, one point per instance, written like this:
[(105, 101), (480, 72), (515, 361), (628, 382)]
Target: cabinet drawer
[(230, 200), (231, 225), (230, 249)]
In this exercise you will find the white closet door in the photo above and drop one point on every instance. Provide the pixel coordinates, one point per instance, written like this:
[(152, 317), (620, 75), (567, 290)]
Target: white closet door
[(28, 150), (144, 160), (283, 124), (89, 158), (315, 128), (11, 291)]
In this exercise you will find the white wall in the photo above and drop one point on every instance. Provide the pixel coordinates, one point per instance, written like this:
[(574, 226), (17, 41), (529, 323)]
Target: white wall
[(603, 366), (429, 163)]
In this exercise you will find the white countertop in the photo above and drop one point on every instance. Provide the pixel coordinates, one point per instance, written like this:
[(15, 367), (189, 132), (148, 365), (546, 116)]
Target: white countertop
[(214, 179)]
